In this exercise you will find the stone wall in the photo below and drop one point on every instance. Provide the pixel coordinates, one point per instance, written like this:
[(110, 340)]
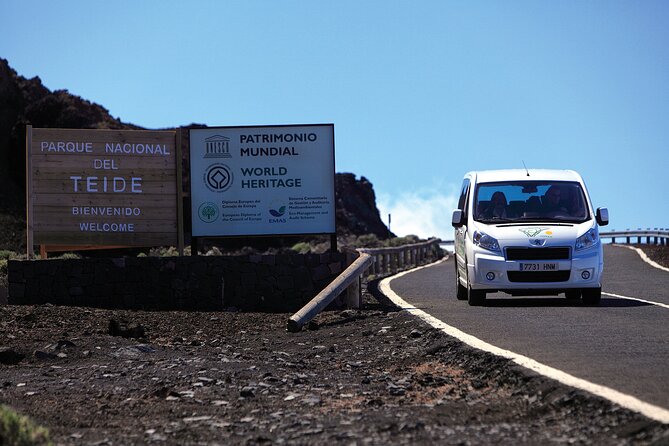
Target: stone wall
[(249, 283)]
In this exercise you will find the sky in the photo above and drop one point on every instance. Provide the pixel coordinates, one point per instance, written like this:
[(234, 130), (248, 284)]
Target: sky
[(419, 92)]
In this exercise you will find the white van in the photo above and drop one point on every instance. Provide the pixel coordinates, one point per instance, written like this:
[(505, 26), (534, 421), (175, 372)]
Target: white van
[(527, 232)]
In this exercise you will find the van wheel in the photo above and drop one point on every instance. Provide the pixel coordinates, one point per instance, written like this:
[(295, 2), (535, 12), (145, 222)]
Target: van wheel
[(475, 297), (461, 291), (573, 294), (592, 296)]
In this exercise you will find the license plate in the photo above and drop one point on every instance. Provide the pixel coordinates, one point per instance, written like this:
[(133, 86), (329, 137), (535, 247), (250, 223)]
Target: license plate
[(538, 266)]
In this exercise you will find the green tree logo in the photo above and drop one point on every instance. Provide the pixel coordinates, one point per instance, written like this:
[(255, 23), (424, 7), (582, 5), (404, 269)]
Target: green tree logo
[(208, 212)]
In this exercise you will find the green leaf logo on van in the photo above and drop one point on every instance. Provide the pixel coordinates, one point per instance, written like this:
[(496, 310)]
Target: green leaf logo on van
[(531, 232)]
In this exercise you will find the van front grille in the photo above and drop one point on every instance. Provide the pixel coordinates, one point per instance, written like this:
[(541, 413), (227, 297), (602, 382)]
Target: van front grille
[(537, 253)]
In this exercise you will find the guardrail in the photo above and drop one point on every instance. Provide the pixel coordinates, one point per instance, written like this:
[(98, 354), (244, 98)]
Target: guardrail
[(393, 259), (375, 261), (659, 236)]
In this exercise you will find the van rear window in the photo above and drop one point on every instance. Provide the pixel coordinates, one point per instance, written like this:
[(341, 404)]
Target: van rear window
[(526, 201)]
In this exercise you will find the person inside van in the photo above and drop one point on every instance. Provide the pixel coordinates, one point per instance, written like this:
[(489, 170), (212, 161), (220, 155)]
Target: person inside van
[(552, 201), (572, 201), (497, 207)]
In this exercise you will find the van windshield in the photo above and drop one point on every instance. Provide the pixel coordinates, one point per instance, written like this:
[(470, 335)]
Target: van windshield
[(530, 201)]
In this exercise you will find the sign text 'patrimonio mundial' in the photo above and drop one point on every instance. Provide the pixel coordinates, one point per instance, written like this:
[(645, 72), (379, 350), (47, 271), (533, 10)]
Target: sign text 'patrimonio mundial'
[(262, 180)]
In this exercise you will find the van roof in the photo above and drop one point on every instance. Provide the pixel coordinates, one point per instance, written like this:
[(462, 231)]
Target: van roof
[(491, 176)]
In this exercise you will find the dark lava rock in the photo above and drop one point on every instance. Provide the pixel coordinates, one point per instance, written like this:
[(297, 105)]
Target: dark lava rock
[(63, 343), (44, 356), (313, 326), (356, 210), (125, 329), (10, 357), (247, 392)]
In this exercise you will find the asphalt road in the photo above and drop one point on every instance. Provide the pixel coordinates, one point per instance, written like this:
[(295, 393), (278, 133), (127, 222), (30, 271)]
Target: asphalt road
[(622, 344)]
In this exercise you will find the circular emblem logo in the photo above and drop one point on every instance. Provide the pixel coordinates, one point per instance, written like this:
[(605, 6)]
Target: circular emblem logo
[(208, 212), (218, 178)]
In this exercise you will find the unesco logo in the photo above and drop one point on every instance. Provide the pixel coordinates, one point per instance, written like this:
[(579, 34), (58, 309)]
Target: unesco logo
[(218, 178), (208, 212), (217, 146)]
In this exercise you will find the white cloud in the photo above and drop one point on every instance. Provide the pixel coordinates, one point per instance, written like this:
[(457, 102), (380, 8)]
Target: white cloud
[(426, 213)]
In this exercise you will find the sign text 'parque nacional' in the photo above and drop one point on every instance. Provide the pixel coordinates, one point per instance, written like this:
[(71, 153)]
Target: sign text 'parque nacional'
[(102, 187), (262, 180)]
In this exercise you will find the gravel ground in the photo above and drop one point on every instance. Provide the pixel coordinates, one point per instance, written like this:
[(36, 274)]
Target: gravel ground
[(370, 376)]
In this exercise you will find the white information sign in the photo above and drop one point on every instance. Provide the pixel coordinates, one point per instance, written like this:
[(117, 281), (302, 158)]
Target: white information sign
[(262, 180)]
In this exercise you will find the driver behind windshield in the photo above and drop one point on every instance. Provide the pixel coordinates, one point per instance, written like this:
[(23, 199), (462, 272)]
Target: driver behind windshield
[(571, 200), (551, 201)]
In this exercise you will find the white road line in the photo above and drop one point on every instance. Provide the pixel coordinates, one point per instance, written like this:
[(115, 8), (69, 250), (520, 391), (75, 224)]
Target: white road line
[(644, 257), (630, 402), (659, 304)]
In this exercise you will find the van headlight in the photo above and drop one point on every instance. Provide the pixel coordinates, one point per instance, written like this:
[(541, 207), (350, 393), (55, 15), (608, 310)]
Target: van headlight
[(590, 238), (485, 241)]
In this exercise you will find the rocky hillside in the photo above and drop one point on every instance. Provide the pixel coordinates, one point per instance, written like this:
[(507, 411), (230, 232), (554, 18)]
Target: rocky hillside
[(356, 206), (26, 101)]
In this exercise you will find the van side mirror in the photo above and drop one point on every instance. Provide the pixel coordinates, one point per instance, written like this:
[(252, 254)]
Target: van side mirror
[(458, 218), (602, 216)]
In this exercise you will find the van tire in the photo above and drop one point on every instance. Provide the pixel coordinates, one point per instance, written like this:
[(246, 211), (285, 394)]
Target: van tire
[(460, 291), (475, 298), (591, 296)]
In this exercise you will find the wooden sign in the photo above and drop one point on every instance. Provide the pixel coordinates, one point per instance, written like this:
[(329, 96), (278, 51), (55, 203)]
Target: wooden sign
[(103, 188)]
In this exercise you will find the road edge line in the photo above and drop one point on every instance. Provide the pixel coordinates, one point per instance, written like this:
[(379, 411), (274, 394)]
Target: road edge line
[(650, 302), (624, 400), (643, 256)]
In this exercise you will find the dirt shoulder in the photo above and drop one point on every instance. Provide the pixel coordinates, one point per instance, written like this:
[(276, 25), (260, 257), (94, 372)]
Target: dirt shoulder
[(373, 376), (657, 253)]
